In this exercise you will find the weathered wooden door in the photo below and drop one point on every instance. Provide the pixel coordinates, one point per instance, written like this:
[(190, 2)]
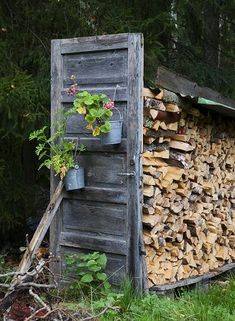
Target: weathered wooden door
[(106, 215)]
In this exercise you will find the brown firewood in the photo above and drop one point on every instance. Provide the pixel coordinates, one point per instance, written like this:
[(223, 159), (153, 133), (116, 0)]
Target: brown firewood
[(148, 190), (153, 161), (181, 146), (149, 140), (150, 170), (148, 180), (161, 154), (171, 107), (156, 125), (147, 209), (150, 220), (158, 133), (154, 104), (177, 207), (181, 137), (157, 147), (153, 113), (173, 126)]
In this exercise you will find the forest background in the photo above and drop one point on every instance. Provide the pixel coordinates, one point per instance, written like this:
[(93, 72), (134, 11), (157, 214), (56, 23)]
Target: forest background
[(194, 38)]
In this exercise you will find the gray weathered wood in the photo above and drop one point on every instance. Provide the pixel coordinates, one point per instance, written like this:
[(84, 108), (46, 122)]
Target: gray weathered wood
[(56, 85), (98, 43), (135, 147), (116, 265), (110, 219), (106, 214), (41, 230), (93, 144), (178, 84), (94, 243), (193, 280), (76, 125), (104, 194)]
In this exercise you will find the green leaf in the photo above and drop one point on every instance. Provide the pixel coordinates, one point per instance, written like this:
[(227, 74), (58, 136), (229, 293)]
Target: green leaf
[(96, 112), (77, 103), (88, 101), (83, 93), (39, 149), (102, 260), (87, 278), (42, 155), (101, 276), (106, 128), (90, 119), (108, 113)]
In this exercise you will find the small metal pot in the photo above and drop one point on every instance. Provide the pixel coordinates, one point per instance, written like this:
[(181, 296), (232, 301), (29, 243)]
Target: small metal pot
[(115, 135), (74, 179)]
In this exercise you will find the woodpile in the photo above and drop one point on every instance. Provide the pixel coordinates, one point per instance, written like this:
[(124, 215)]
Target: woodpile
[(189, 189)]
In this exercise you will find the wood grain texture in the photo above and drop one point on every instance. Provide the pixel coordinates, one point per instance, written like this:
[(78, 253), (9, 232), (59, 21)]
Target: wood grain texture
[(178, 84), (56, 85), (95, 218), (134, 146), (94, 243), (41, 231), (193, 280), (102, 216), (116, 265), (76, 125), (97, 43)]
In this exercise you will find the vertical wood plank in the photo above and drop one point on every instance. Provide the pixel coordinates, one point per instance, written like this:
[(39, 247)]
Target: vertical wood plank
[(56, 86), (134, 148), (127, 194)]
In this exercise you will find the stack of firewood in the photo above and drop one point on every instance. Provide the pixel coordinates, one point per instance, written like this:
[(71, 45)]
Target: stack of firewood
[(189, 189)]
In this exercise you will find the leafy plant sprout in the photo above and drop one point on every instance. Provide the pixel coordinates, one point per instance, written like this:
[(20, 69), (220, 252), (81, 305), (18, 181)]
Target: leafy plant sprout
[(96, 110), (88, 269), (55, 151)]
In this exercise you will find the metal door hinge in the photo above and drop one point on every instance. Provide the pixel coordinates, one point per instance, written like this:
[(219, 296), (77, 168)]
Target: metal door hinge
[(131, 174)]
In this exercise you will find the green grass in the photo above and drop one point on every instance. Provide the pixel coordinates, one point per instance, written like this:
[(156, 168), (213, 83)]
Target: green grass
[(215, 304)]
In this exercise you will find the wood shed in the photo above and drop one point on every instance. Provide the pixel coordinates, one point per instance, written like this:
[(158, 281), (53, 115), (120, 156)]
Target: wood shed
[(161, 204)]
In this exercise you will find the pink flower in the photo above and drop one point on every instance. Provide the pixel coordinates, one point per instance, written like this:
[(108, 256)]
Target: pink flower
[(109, 105), (72, 90)]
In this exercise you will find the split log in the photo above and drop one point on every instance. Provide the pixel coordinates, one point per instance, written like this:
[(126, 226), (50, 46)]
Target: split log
[(190, 162)]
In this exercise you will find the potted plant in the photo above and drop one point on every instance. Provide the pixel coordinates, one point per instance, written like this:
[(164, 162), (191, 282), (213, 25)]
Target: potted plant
[(97, 111), (61, 155)]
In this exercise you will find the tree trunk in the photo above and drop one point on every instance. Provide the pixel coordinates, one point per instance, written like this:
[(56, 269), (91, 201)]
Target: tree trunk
[(211, 32)]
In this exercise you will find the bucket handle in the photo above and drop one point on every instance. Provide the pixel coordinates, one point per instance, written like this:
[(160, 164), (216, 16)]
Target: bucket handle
[(119, 113), (114, 95), (75, 153)]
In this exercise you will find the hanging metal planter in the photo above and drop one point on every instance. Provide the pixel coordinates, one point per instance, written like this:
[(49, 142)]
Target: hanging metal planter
[(74, 179), (115, 135)]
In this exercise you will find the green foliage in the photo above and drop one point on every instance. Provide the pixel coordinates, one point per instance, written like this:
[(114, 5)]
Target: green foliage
[(216, 303), (88, 269), (148, 123), (93, 107), (175, 33), (193, 306), (54, 151), (2, 263)]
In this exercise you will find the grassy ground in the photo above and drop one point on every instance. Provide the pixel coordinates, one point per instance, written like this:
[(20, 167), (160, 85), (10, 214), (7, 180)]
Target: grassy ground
[(215, 304)]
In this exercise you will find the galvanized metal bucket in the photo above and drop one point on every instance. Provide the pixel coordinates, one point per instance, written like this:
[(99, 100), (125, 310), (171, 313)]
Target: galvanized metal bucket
[(74, 179), (115, 135)]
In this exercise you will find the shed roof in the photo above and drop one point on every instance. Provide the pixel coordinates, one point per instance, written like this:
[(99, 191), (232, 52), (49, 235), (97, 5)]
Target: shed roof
[(204, 96)]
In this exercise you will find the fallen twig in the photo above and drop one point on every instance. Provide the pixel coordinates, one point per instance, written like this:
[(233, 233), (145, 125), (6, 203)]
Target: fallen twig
[(97, 315), (39, 300)]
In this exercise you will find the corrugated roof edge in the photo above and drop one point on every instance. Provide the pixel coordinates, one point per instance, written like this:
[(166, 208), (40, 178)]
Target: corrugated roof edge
[(205, 96)]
